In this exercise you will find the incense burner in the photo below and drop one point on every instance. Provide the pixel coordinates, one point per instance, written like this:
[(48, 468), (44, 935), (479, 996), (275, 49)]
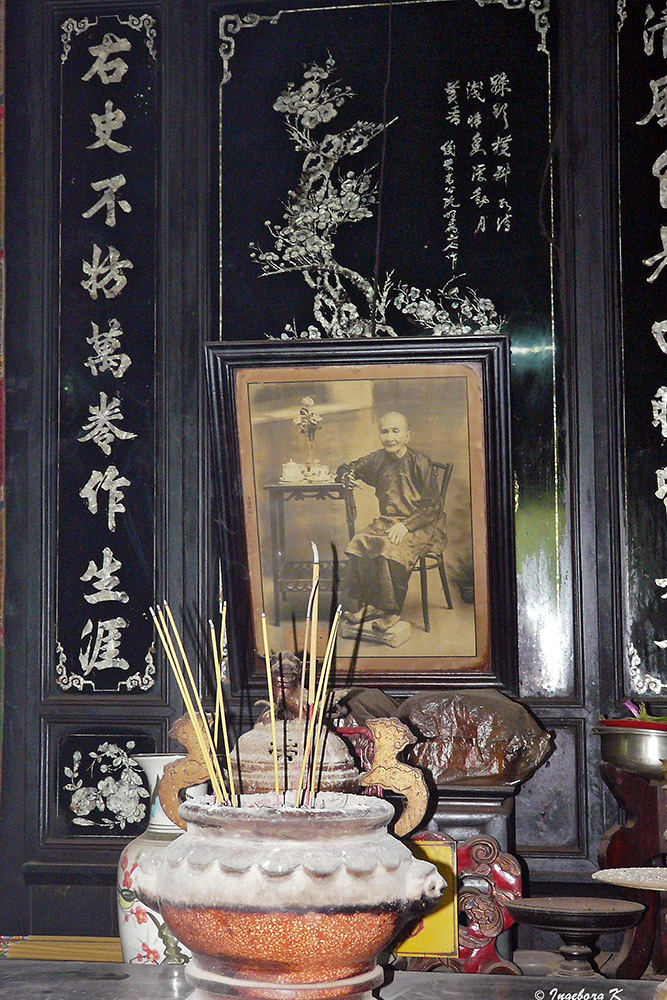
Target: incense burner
[(284, 903)]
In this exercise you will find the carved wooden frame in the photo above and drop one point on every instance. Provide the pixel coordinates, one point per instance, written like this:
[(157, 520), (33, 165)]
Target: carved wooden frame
[(242, 376)]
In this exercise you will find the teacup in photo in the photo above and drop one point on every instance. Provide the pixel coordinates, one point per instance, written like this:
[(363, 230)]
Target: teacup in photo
[(292, 471), (318, 473)]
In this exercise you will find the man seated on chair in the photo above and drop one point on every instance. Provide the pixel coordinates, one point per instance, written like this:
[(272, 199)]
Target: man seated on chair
[(381, 557)]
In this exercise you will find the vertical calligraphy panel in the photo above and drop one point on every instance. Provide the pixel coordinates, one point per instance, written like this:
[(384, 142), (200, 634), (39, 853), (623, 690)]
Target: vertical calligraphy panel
[(109, 120), (642, 68)]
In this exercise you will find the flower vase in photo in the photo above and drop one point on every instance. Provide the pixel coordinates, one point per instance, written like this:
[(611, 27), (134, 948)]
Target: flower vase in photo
[(309, 422), (145, 938)]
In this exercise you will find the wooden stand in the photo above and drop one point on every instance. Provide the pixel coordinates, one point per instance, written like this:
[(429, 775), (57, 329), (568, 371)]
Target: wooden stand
[(639, 842), (579, 920)]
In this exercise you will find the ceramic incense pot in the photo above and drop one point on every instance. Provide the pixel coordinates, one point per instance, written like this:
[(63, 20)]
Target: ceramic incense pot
[(280, 903)]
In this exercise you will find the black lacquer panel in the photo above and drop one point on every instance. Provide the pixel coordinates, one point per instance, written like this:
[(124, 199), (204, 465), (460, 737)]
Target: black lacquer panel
[(445, 104), (101, 791), (109, 128), (385, 170), (551, 805), (642, 50)]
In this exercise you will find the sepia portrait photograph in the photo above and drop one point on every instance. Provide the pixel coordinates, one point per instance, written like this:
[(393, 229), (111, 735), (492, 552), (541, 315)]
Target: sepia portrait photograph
[(378, 472)]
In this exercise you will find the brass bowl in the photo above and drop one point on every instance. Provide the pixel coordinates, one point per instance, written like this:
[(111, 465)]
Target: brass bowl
[(639, 750)]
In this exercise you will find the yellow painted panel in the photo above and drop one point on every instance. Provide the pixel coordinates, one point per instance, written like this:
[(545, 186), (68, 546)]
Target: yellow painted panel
[(437, 934)]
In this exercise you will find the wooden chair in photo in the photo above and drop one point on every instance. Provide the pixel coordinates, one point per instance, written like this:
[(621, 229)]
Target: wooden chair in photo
[(434, 559)]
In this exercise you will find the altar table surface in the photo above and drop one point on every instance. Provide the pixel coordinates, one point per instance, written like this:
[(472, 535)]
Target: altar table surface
[(32, 980)]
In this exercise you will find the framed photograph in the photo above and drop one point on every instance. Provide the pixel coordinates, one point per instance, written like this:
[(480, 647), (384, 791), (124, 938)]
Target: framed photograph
[(390, 460)]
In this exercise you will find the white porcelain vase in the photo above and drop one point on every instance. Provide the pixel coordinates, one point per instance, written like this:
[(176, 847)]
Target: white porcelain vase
[(145, 938)]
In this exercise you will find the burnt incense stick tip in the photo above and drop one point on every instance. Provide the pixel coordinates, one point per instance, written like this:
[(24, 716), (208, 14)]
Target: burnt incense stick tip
[(311, 599)]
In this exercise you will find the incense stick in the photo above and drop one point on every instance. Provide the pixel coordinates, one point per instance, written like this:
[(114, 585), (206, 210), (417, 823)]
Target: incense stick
[(316, 693), (223, 638), (223, 644), (198, 719), (328, 656), (322, 697), (220, 714), (170, 650), (309, 616), (217, 660), (205, 729), (313, 625), (272, 709), (198, 724), (302, 686), (312, 660)]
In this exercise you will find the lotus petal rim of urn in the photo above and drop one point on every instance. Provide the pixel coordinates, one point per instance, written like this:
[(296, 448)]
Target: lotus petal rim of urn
[(330, 812), (262, 856)]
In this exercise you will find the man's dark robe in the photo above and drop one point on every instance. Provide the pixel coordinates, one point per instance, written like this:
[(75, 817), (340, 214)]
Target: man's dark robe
[(377, 570)]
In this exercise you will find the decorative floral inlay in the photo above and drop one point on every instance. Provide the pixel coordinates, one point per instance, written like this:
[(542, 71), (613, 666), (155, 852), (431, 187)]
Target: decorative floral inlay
[(621, 13), (73, 681), (145, 22), (640, 682), (230, 25), (138, 22), (539, 9), (450, 312), (68, 28), (106, 792)]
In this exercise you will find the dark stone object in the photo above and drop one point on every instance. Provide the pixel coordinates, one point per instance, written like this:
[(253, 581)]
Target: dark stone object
[(474, 736)]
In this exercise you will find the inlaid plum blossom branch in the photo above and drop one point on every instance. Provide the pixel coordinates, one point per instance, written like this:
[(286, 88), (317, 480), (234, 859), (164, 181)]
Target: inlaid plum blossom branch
[(329, 194)]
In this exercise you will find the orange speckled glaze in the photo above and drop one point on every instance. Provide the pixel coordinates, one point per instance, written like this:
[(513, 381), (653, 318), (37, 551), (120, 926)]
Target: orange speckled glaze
[(285, 947)]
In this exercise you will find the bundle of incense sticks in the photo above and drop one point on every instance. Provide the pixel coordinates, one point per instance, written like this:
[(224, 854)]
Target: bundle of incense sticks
[(311, 710), (173, 645)]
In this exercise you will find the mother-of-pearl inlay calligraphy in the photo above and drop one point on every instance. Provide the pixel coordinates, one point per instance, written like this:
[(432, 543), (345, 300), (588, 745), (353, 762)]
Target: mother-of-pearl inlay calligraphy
[(642, 62), (108, 211)]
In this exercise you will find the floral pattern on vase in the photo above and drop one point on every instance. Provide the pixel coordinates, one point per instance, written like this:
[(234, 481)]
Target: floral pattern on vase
[(145, 938)]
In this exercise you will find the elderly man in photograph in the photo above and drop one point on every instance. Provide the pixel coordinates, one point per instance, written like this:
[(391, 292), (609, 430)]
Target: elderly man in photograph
[(381, 557)]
